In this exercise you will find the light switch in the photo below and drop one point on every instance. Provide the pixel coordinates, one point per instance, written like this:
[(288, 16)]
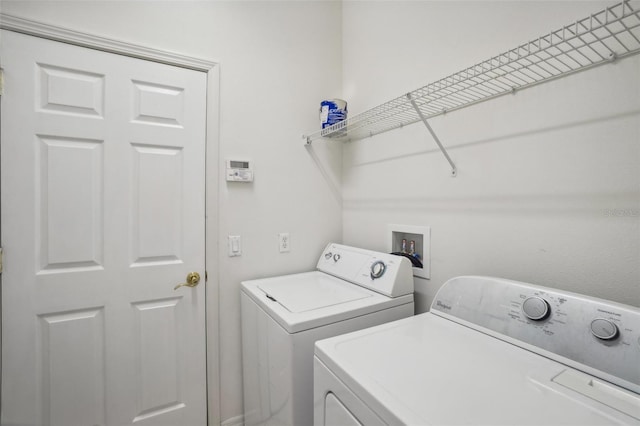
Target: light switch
[(235, 245)]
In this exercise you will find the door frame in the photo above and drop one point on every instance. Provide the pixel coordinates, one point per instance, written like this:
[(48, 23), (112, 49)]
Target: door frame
[(212, 69)]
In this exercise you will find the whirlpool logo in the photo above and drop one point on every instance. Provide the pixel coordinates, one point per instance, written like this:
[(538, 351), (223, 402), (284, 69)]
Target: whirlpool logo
[(443, 305)]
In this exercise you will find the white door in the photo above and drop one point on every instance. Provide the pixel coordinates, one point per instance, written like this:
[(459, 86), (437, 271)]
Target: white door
[(102, 168)]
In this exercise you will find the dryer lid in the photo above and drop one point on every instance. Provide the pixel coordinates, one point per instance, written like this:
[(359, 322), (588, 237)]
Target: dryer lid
[(320, 292)]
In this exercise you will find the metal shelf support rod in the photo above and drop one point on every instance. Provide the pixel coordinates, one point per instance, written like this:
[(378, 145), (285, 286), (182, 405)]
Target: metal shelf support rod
[(454, 171)]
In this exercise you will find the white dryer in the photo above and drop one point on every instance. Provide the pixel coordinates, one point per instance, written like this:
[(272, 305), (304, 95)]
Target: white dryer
[(490, 351), (283, 316)]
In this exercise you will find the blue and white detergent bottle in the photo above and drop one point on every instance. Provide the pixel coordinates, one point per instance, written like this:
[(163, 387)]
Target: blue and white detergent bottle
[(332, 111)]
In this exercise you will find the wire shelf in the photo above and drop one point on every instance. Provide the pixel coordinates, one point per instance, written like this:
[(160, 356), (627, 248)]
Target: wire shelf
[(606, 36)]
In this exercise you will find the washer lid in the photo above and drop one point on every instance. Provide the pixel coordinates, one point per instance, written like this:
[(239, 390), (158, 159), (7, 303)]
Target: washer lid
[(308, 300), (317, 293)]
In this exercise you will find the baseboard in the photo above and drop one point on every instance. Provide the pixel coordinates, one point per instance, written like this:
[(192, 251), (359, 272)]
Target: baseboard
[(234, 421)]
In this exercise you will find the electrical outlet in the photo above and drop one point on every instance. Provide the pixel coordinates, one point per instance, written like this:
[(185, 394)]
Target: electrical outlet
[(283, 242)]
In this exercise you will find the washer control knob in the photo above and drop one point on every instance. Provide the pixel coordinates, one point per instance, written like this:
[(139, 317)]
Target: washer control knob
[(536, 308), (377, 269), (336, 257), (328, 255), (604, 329)]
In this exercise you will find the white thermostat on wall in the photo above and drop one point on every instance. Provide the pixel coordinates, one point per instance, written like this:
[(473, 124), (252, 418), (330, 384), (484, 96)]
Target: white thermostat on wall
[(239, 171)]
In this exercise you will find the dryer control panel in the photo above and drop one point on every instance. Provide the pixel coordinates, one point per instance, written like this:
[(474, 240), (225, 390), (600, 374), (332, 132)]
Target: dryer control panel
[(384, 273), (597, 336)]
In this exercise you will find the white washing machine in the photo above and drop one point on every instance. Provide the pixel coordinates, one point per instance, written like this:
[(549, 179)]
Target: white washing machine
[(491, 352), (282, 317)]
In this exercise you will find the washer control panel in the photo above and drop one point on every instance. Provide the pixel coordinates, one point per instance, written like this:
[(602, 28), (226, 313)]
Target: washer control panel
[(595, 335), (381, 272)]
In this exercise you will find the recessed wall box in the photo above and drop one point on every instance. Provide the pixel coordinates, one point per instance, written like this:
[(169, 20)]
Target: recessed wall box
[(239, 171), (413, 241)]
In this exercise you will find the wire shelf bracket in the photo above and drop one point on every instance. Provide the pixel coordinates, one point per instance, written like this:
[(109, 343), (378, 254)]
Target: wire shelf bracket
[(454, 171), (601, 38)]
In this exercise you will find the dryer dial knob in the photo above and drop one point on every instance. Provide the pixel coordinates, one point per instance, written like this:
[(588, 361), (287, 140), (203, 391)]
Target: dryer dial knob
[(536, 308), (377, 269), (604, 329)]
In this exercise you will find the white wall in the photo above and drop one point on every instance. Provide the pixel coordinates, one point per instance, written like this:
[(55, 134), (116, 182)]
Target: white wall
[(278, 61), (538, 172)]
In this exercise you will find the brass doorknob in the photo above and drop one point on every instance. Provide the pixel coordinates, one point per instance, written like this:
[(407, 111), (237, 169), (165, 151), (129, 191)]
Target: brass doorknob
[(193, 278)]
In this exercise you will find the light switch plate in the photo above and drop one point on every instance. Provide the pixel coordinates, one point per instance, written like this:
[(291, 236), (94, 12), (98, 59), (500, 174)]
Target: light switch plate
[(235, 245)]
